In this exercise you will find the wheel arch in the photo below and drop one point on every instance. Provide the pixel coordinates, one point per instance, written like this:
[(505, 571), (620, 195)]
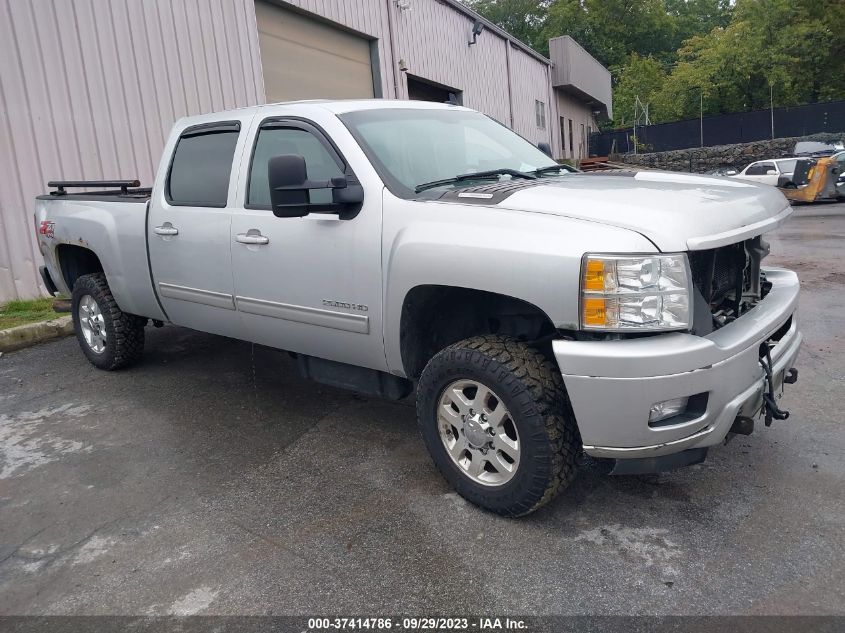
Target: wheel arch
[(75, 261), (434, 316)]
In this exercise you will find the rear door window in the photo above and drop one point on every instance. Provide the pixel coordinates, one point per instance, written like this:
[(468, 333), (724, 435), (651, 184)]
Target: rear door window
[(201, 166)]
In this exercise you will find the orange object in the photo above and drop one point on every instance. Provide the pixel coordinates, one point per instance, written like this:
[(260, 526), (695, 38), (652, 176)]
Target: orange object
[(821, 182), (595, 312), (594, 275)]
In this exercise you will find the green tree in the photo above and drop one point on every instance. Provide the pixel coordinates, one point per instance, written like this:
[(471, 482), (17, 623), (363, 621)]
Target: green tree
[(678, 55), (613, 29), (524, 19), (781, 48), (696, 17), (641, 77)]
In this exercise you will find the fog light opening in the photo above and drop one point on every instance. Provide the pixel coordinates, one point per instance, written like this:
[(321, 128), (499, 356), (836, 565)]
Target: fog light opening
[(667, 409)]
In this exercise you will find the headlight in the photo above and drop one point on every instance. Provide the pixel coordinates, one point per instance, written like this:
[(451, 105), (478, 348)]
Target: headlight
[(635, 292)]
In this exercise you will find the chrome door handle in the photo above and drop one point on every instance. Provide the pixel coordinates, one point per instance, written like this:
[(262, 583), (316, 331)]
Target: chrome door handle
[(252, 238), (166, 229)]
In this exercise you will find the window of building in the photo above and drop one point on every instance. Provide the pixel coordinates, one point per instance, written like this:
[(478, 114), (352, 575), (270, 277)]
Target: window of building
[(540, 112), (571, 143), (275, 141), (562, 124), (202, 166)]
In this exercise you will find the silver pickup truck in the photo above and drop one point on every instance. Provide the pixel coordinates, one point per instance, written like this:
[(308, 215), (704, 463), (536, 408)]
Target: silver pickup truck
[(541, 313)]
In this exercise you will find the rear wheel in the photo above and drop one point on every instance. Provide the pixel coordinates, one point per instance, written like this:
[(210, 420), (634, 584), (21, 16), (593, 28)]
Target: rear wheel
[(109, 338), (494, 415)]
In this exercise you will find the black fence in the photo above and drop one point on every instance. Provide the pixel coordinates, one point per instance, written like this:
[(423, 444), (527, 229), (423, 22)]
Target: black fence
[(724, 129)]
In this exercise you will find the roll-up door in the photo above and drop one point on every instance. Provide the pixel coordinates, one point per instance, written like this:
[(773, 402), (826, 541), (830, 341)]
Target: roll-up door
[(304, 58)]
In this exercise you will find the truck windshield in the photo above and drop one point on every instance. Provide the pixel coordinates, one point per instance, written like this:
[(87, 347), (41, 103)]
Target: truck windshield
[(412, 147)]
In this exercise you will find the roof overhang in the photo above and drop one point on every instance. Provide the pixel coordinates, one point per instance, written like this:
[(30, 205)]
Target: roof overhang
[(577, 73)]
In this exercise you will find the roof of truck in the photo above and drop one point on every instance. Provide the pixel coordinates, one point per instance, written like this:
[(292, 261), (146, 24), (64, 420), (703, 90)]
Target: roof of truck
[(336, 106), (339, 106)]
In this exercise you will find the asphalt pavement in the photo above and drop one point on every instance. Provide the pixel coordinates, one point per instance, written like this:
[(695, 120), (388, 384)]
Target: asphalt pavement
[(212, 479)]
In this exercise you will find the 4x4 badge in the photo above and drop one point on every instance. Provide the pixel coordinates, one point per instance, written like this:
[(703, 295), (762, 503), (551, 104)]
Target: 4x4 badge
[(47, 228)]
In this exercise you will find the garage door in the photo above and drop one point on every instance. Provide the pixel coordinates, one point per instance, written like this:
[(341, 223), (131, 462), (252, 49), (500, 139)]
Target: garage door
[(306, 59)]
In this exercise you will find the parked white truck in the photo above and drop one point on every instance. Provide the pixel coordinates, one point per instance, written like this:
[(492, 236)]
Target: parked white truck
[(541, 313)]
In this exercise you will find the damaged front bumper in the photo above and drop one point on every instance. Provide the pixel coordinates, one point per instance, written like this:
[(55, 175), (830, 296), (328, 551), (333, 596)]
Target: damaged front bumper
[(613, 385)]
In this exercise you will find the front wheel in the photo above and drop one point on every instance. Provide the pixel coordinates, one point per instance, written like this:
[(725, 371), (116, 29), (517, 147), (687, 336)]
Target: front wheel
[(494, 415), (109, 338)]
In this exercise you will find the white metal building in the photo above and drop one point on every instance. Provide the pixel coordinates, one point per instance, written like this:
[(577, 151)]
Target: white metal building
[(90, 88)]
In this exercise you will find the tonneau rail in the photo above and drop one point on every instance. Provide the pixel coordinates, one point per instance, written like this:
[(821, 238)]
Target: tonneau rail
[(61, 185)]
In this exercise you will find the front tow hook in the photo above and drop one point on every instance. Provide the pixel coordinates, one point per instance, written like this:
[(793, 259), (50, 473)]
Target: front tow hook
[(772, 411)]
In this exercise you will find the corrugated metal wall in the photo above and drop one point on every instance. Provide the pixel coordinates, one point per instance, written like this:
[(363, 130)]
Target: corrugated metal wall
[(431, 37), (90, 88), (433, 40), (530, 83)]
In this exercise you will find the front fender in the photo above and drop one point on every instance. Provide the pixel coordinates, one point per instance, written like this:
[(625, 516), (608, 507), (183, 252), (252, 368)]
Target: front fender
[(528, 256)]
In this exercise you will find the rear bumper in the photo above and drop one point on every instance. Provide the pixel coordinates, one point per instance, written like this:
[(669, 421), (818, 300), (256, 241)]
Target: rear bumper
[(612, 385), (49, 284)]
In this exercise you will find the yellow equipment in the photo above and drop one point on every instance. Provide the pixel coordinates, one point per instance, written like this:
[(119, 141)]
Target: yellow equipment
[(819, 183)]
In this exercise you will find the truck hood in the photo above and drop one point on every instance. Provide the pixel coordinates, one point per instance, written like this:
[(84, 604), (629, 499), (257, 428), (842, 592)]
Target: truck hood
[(676, 211)]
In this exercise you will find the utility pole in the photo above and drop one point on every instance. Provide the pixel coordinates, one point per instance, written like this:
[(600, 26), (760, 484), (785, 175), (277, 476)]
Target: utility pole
[(701, 118), (636, 101), (772, 106), (640, 109)]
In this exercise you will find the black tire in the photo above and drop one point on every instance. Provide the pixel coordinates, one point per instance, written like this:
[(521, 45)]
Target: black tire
[(790, 185), (532, 389), (124, 343)]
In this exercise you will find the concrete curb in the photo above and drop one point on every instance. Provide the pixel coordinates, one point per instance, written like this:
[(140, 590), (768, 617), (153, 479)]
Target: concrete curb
[(33, 333)]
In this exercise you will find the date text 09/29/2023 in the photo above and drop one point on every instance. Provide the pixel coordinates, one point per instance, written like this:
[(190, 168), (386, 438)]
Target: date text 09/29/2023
[(417, 624)]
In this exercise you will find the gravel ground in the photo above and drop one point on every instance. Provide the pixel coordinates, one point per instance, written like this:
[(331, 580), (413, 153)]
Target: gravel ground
[(212, 479)]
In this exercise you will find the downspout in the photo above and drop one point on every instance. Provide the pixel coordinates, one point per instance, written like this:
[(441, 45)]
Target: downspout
[(552, 121), (394, 62), (510, 79)]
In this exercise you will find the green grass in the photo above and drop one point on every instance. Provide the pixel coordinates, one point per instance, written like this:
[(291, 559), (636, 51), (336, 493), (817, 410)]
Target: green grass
[(19, 312)]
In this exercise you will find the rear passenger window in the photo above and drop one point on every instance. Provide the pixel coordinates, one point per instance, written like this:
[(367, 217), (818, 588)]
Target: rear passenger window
[(201, 166), (275, 141)]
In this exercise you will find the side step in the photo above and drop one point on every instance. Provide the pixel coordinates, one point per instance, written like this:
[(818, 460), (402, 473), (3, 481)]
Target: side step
[(365, 381)]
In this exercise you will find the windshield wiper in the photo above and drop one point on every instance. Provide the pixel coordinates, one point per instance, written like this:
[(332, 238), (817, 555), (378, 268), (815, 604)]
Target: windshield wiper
[(551, 168), (478, 174)]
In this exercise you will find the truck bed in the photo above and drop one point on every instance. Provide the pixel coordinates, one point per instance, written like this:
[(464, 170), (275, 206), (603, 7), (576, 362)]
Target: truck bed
[(110, 223)]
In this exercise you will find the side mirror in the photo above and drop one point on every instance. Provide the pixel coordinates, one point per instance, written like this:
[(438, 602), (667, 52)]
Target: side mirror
[(290, 187), (288, 176), (545, 148)]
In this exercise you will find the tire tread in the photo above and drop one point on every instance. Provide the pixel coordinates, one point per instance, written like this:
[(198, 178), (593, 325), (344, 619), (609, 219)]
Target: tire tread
[(537, 383), (128, 346)]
